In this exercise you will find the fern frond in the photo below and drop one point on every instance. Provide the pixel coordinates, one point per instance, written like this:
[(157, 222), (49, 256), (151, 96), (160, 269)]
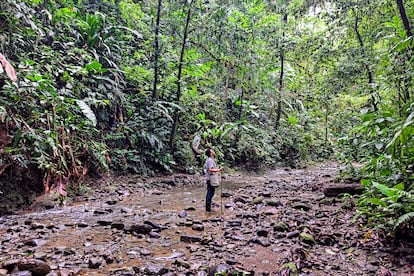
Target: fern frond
[(87, 111), (403, 219), (408, 195)]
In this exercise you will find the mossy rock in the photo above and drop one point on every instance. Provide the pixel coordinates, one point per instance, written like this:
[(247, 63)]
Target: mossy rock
[(291, 268), (307, 238), (258, 200), (280, 227)]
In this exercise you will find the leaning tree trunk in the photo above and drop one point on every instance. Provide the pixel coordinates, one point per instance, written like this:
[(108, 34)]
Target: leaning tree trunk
[(180, 68), (282, 69), (157, 51), (404, 18)]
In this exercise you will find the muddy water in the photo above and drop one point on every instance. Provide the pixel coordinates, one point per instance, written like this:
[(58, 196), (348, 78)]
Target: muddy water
[(77, 227), (242, 232)]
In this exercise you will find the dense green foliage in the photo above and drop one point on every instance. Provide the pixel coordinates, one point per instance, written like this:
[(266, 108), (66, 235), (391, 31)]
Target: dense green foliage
[(264, 82)]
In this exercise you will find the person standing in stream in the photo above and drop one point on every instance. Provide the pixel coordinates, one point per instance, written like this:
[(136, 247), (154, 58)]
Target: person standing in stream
[(210, 167)]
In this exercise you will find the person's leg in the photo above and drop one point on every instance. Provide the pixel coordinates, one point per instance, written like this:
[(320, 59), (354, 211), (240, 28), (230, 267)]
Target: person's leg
[(209, 196)]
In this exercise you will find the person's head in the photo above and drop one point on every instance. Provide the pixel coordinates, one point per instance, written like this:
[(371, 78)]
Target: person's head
[(210, 153)]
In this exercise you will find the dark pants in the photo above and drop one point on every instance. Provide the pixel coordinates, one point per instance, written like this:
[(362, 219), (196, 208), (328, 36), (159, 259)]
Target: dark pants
[(209, 196)]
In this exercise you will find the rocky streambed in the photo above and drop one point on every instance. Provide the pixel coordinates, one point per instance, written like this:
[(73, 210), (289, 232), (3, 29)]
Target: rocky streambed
[(277, 223)]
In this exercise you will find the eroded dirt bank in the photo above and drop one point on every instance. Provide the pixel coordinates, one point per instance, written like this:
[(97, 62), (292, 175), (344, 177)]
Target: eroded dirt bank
[(273, 224)]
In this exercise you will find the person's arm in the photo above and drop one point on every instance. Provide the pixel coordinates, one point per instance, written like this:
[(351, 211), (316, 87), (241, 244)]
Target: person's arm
[(216, 170)]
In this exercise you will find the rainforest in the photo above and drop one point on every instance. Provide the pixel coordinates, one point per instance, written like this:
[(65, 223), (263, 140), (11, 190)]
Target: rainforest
[(125, 96)]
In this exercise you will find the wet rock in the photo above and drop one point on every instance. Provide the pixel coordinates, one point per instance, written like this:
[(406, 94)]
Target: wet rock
[(219, 269), (231, 262), (109, 259), (189, 223), (111, 201), (410, 259), (274, 203), (169, 182), (370, 268), (326, 239), (35, 226), (341, 188), (198, 227), (302, 206), (153, 224), (173, 256), (94, 263), (240, 199), (292, 234), (139, 228), (104, 222), (35, 266), (40, 256), (262, 232), (10, 264), (182, 263), (132, 253), (228, 205), (64, 250), (234, 223), (33, 242), (145, 252), (235, 237), (262, 241), (154, 269), (82, 224), (126, 211), (128, 273), (23, 273), (270, 211), (190, 239), (102, 211), (118, 225), (266, 194), (154, 235)]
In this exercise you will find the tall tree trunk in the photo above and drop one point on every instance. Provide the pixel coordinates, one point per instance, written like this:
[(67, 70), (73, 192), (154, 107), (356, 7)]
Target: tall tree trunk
[(241, 103), (229, 70), (404, 18), (370, 76), (282, 70), (157, 51), (326, 123), (180, 68), (406, 23)]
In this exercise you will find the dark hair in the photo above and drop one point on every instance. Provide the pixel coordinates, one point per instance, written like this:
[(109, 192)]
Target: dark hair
[(208, 151)]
